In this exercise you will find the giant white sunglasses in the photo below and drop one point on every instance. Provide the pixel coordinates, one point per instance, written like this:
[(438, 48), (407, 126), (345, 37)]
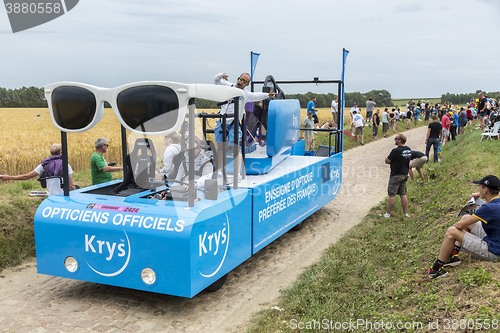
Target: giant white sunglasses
[(150, 107)]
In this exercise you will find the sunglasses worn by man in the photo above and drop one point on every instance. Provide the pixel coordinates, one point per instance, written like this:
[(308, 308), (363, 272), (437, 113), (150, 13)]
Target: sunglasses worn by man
[(150, 107)]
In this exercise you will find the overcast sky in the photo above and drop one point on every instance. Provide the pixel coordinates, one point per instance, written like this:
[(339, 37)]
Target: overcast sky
[(410, 48)]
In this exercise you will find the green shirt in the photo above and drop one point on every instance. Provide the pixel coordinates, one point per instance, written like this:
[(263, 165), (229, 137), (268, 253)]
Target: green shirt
[(97, 162), (308, 124)]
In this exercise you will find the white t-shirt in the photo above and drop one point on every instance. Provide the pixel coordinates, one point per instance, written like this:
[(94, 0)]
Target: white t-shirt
[(53, 184), (352, 111), (334, 106), (358, 120)]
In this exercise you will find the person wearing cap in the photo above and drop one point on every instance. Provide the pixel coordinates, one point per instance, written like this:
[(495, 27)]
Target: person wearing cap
[(477, 234), (99, 168), (453, 128), (53, 167), (354, 108)]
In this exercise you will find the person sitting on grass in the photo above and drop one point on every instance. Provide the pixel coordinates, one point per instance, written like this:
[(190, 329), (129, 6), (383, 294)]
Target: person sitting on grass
[(477, 234)]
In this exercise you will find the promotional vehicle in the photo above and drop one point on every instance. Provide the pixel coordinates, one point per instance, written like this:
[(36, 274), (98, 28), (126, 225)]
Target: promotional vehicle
[(174, 236)]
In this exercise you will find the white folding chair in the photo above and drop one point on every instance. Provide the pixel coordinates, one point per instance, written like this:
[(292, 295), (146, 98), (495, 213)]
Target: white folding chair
[(492, 133)]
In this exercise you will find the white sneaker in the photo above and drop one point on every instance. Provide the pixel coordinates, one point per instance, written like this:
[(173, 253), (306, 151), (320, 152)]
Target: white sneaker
[(219, 174), (406, 215), (387, 215)]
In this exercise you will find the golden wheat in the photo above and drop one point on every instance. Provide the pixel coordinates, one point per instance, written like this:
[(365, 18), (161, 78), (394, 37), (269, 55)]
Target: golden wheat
[(27, 135)]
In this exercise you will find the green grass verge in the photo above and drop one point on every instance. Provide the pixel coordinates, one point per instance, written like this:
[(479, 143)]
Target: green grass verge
[(373, 273)]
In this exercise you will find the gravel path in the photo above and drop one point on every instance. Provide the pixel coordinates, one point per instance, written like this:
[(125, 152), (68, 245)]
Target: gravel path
[(30, 302)]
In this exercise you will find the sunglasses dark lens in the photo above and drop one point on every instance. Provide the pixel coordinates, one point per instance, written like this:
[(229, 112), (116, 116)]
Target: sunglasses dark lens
[(149, 108), (73, 107)]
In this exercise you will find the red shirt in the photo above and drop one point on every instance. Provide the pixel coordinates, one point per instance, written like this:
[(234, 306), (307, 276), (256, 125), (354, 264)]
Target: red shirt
[(445, 121)]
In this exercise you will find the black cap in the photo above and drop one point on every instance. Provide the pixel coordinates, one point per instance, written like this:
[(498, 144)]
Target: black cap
[(490, 181)]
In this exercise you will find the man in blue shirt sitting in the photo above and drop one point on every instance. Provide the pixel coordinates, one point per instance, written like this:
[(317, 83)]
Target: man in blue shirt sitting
[(477, 234)]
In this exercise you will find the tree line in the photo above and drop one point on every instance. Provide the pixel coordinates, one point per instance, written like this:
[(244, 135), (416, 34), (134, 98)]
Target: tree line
[(381, 97), (466, 98), (31, 97)]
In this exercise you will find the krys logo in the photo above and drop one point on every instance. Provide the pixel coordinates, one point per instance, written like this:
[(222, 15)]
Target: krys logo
[(26, 14), (109, 257), (212, 246), (295, 126), (337, 181)]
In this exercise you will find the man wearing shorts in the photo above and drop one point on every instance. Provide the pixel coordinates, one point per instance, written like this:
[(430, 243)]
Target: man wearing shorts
[(370, 105), (418, 160), (477, 234), (385, 123), (446, 123), (354, 108), (399, 159), (335, 110), (481, 108), (376, 124), (360, 126)]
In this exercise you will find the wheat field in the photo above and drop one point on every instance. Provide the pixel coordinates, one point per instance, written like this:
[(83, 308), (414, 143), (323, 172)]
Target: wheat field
[(27, 135)]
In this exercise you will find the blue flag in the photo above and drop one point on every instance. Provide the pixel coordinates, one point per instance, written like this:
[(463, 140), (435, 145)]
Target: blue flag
[(253, 60), (344, 57)]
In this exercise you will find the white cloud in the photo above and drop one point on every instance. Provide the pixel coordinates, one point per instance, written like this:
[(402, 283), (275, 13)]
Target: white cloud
[(423, 48)]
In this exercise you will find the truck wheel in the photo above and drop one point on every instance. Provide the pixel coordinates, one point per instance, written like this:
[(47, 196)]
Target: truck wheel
[(298, 226), (217, 284)]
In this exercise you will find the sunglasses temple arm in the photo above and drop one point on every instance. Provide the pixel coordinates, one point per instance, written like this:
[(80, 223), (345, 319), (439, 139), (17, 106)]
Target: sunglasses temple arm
[(192, 193), (124, 149), (64, 148), (236, 148)]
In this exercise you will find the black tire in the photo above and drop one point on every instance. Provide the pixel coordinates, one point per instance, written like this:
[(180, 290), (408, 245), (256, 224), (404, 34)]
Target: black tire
[(217, 284), (298, 226)]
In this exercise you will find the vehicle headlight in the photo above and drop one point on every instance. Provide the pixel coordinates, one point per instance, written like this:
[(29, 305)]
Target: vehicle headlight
[(71, 264), (148, 276)]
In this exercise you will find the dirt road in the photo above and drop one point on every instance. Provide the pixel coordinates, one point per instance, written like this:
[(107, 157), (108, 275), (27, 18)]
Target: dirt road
[(30, 302)]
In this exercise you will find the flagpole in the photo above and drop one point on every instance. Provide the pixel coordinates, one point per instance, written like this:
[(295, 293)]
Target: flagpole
[(251, 77)]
